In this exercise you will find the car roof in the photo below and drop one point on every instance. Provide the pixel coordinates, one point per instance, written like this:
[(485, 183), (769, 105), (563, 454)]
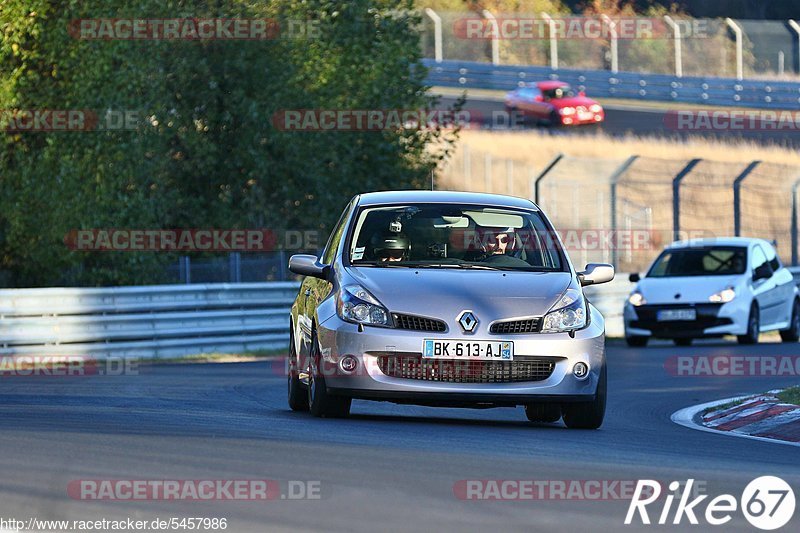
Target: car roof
[(446, 197), (550, 85), (718, 241)]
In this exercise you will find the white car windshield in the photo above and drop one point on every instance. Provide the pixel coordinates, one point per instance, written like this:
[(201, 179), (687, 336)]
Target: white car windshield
[(716, 261), (454, 236)]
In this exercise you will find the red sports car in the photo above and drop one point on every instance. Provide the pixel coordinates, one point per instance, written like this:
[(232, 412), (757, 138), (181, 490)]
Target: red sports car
[(554, 103)]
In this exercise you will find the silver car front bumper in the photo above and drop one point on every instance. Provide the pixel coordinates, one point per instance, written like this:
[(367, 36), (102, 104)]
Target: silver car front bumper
[(339, 339)]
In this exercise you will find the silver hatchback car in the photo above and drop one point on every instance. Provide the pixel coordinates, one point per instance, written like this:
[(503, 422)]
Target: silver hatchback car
[(447, 299)]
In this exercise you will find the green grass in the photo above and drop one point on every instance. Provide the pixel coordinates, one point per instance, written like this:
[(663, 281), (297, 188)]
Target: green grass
[(790, 395), (724, 406)]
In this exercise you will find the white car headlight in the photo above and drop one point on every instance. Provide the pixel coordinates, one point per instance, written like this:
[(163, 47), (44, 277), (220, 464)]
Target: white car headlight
[(355, 304), (567, 111), (636, 299), (568, 314), (596, 108), (724, 296)]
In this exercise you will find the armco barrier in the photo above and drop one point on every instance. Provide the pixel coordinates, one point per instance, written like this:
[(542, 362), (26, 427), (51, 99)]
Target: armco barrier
[(175, 320), (149, 321), (627, 85)]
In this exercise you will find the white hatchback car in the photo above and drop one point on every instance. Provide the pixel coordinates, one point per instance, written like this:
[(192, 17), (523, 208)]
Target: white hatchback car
[(710, 288)]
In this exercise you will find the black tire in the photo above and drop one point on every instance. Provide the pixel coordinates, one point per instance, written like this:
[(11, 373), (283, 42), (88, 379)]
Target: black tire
[(637, 342), (588, 415), (298, 395), (543, 412), (753, 326), (555, 120), (320, 402), (683, 342), (793, 333)]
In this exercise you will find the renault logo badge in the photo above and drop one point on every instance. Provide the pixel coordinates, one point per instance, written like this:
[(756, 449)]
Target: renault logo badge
[(467, 321)]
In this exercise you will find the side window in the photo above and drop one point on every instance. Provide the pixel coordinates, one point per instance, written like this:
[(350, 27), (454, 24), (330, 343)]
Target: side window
[(758, 258), (336, 236), (772, 257)]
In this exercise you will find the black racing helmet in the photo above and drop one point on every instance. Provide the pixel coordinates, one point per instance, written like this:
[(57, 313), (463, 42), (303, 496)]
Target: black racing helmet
[(390, 245)]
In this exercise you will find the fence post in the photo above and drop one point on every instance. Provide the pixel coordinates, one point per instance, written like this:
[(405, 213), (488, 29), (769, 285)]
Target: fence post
[(676, 197), (795, 187), (542, 175), (185, 269), (737, 30), (615, 177), (676, 31), (612, 29), (495, 37), (737, 197), (487, 172), (553, 40), (796, 27), (437, 33), (467, 168)]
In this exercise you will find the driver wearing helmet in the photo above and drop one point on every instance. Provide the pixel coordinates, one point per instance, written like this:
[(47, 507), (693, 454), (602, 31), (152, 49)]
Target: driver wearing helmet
[(390, 247)]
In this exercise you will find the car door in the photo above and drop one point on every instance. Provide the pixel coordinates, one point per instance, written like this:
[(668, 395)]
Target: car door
[(763, 289), (784, 287), (314, 290)]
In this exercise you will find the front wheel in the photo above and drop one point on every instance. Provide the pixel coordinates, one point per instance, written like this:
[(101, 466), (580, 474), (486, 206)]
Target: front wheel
[(298, 396), (543, 412), (753, 327), (588, 415), (637, 342), (793, 333), (320, 402)]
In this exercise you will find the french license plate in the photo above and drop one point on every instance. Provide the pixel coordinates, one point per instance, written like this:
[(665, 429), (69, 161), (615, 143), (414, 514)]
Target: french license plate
[(468, 350), (676, 314), (584, 116)]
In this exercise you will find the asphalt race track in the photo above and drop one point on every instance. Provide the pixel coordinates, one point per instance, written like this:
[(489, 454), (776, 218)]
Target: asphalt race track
[(632, 120), (388, 467)]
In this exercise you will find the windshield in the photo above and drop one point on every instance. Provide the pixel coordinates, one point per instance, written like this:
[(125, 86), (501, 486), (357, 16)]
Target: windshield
[(717, 261), (560, 92), (454, 236)]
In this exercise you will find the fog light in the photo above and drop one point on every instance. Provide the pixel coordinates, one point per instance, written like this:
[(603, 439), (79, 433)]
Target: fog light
[(348, 363), (580, 370)]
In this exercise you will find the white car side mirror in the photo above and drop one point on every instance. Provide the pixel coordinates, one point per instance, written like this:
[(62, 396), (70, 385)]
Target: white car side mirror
[(596, 273)]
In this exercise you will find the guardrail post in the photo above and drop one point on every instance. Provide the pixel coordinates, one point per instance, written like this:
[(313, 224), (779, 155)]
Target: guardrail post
[(185, 269), (737, 30), (795, 187), (676, 32), (551, 24), (612, 29), (542, 175), (676, 197), (437, 33), (737, 197), (235, 267), (615, 177), (495, 37), (796, 27)]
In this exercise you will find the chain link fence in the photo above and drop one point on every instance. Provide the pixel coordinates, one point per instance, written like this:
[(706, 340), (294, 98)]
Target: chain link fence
[(708, 46), (624, 211)]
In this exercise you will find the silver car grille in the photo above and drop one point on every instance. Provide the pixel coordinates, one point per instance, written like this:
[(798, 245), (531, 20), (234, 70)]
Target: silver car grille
[(454, 371)]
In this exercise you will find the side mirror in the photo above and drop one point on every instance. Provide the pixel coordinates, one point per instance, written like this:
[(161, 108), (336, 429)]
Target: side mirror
[(595, 274), (762, 272), (308, 265), (635, 278)]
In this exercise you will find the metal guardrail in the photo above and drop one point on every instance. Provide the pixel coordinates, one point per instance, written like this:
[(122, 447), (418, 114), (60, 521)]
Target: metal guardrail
[(150, 321), (626, 85), (176, 320)]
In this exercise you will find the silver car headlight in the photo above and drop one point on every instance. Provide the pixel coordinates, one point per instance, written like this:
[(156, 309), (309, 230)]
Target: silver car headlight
[(724, 296), (355, 304), (568, 314)]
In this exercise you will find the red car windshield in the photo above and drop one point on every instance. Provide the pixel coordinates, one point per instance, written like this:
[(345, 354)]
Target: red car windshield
[(559, 92)]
